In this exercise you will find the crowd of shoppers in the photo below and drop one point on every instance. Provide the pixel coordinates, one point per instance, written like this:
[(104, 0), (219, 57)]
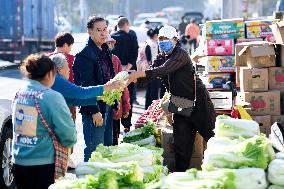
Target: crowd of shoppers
[(59, 82)]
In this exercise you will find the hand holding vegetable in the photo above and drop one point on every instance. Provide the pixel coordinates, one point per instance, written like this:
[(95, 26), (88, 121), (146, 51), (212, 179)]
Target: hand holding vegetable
[(113, 85), (98, 119)]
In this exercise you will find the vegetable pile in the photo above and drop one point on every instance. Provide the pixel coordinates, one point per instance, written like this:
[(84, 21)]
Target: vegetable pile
[(114, 95), (144, 136), (153, 113)]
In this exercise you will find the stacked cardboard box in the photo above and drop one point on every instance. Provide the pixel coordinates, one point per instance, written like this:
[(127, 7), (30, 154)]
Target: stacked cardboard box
[(167, 141), (254, 80), (220, 60)]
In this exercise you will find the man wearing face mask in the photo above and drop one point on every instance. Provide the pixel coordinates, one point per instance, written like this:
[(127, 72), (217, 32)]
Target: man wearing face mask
[(178, 72)]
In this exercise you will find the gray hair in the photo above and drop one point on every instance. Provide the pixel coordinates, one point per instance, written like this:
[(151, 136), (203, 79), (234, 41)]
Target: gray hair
[(59, 60)]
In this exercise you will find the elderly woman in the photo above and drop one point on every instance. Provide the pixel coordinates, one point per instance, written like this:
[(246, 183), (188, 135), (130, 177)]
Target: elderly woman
[(41, 123), (73, 94), (190, 102)]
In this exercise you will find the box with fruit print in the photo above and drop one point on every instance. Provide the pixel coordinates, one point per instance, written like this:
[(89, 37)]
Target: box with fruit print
[(264, 123), (258, 28), (219, 63), (263, 103), (276, 78)]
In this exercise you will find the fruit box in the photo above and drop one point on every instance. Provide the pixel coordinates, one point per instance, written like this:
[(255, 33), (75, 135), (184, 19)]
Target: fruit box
[(276, 78), (225, 29), (278, 32), (263, 103), (253, 79), (220, 47), (167, 141), (219, 63), (264, 123), (258, 28), (259, 54), (218, 80), (238, 75)]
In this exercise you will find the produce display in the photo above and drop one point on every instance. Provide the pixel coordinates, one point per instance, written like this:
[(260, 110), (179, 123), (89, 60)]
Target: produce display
[(245, 178), (232, 128), (114, 95), (144, 136), (153, 113)]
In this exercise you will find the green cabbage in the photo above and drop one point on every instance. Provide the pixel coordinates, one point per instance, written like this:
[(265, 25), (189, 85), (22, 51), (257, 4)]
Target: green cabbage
[(140, 133), (247, 178), (234, 128), (110, 96), (253, 152), (126, 152), (276, 172)]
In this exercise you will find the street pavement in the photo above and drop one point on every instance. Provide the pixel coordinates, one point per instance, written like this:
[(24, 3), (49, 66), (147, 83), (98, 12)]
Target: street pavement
[(11, 80)]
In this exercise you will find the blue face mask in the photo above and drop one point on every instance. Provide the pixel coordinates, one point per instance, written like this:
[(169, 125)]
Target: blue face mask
[(166, 46)]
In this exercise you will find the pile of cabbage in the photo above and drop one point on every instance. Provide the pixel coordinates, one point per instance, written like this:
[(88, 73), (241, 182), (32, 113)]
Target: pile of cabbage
[(119, 167), (236, 158), (143, 136), (114, 95)]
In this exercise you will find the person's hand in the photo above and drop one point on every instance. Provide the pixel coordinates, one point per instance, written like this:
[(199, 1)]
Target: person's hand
[(133, 76), (98, 119), (128, 67), (114, 85)]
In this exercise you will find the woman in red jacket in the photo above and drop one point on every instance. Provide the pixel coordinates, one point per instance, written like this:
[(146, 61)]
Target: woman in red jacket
[(124, 104)]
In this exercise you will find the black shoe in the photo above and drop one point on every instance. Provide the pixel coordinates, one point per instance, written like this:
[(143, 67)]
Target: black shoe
[(136, 102)]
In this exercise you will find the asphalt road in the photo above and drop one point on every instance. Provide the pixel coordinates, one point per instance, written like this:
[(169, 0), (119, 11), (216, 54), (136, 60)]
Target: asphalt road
[(11, 80)]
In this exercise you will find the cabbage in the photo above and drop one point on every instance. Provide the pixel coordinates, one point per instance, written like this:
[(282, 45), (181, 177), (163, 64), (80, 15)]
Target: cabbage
[(140, 134), (152, 173), (110, 96), (276, 172), (247, 178), (150, 141), (275, 187), (234, 128), (129, 171), (279, 155), (126, 152), (253, 152)]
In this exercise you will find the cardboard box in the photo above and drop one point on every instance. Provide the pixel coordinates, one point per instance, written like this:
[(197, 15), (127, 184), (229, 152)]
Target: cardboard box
[(258, 28), (264, 123), (279, 119), (282, 101), (225, 29), (219, 63), (278, 32), (217, 80), (279, 55), (238, 75), (262, 103), (248, 40), (221, 99), (253, 79), (259, 54), (220, 47), (276, 78), (167, 141)]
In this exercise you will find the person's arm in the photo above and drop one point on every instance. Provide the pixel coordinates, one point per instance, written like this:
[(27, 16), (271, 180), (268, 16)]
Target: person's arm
[(64, 127), (70, 90), (81, 102), (133, 52), (148, 53)]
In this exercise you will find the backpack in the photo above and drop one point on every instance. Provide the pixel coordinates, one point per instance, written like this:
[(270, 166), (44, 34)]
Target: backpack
[(142, 63)]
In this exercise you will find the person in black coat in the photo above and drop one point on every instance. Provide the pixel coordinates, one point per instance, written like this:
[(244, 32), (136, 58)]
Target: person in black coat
[(178, 71), (126, 49), (93, 66)]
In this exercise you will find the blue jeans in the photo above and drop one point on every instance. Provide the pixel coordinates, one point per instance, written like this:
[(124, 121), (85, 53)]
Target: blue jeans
[(97, 135)]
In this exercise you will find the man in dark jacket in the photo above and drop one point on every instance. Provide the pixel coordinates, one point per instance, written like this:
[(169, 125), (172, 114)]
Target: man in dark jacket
[(93, 66), (126, 48)]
